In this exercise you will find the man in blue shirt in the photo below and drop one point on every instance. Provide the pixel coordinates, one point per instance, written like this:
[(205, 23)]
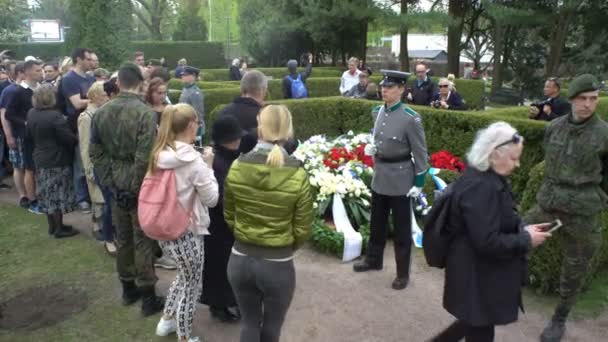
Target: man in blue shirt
[(74, 87), (15, 74)]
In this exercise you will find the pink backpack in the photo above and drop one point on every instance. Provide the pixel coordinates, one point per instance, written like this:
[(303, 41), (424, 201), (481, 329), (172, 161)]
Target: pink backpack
[(161, 215)]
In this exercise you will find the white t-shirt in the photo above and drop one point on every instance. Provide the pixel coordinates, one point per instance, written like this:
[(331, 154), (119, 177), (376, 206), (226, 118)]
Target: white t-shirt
[(349, 80)]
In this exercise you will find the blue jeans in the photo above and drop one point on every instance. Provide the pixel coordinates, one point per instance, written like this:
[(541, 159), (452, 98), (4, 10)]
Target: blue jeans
[(107, 228), (80, 181)]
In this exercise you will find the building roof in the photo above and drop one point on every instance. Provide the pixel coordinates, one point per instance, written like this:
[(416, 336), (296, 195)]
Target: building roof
[(424, 54)]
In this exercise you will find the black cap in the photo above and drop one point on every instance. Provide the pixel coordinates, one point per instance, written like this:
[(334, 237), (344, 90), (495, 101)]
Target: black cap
[(226, 129), (393, 77), (190, 70)]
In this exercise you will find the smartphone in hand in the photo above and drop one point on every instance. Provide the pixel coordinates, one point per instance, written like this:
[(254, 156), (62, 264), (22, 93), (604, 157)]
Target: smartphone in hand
[(555, 225)]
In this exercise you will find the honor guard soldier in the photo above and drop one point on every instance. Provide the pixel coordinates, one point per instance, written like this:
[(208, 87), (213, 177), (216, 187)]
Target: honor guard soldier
[(400, 166)]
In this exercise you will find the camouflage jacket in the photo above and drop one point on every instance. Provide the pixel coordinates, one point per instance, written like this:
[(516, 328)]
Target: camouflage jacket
[(576, 171), (122, 135)]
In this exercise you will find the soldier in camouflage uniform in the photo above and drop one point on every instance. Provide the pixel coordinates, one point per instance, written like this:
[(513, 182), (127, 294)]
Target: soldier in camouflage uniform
[(574, 191), (401, 162), (122, 136)]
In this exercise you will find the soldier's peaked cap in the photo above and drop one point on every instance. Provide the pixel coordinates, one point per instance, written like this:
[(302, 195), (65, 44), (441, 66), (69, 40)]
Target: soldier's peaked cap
[(393, 77), (190, 70), (581, 84)]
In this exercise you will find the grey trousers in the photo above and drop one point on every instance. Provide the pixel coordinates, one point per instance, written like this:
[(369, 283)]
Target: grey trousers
[(263, 290)]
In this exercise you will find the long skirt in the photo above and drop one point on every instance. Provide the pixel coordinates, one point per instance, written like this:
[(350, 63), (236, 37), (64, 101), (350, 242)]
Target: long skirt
[(55, 189), (216, 287)]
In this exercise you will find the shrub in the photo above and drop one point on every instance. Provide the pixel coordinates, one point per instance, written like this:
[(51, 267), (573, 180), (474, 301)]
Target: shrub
[(546, 261), (276, 73), (212, 98), (199, 54), (45, 51), (177, 84)]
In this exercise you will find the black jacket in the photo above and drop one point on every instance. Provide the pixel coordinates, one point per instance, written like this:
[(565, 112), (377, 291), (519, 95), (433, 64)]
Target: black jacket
[(52, 139), (423, 94), (287, 82), (454, 101), (485, 266), (559, 107), (17, 109), (235, 73), (246, 110)]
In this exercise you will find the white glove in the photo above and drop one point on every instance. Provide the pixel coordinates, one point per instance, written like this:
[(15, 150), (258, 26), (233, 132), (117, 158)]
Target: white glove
[(370, 150), (409, 97), (414, 192)]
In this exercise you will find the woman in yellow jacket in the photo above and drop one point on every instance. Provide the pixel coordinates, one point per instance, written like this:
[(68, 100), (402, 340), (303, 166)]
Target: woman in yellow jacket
[(268, 206)]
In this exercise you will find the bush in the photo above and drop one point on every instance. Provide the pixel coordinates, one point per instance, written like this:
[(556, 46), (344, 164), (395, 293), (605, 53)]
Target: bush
[(276, 73), (177, 84), (522, 111), (546, 261), (212, 98), (45, 51), (199, 54)]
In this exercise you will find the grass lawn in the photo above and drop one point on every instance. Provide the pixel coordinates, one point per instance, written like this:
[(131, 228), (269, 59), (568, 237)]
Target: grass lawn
[(30, 258)]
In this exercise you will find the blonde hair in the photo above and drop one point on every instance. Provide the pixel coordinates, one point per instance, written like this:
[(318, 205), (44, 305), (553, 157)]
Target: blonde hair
[(96, 91), (66, 65), (175, 119), (353, 60), (44, 97), (275, 126)]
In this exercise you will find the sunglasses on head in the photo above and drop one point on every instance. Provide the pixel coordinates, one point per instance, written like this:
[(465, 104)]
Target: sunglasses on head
[(515, 139)]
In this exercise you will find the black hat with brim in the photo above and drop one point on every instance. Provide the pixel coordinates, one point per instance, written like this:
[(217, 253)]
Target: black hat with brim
[(226, 129), (190, 70)]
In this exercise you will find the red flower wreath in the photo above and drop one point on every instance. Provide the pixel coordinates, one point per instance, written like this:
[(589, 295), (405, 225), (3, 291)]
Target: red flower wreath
[(447, 161)]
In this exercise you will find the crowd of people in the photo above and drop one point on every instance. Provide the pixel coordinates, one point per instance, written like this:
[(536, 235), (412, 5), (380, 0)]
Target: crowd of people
[(81, 138)]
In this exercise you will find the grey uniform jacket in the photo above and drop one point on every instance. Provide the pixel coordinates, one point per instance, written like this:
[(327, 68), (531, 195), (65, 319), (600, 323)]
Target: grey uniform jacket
[(398, 135), (193, 96)]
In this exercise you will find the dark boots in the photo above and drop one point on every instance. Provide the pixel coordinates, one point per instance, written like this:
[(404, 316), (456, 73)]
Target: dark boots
[(57, 228), (130, 293), (151, 303), (365, 265), (556, 328)]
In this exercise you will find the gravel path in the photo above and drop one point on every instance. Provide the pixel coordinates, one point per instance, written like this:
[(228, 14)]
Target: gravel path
[(333, 304)]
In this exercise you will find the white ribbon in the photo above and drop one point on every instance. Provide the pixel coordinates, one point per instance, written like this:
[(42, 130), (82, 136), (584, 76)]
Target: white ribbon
[(353, 241)]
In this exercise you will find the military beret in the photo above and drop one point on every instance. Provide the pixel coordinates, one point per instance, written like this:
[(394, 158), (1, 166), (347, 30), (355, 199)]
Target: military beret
[(190, 70), (393, 77), (581, 84)]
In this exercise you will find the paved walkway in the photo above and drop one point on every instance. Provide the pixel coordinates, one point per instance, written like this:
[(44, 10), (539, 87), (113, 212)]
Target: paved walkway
[(333, 304)]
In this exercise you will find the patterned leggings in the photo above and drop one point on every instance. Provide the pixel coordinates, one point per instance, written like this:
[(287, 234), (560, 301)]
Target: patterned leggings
[(188, 253)]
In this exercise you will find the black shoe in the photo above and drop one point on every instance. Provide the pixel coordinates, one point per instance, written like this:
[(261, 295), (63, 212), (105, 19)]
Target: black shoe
[(151, 303), (24, 203), (4, 186), (224, 315), (364, 266), (130, 293), (400, 283), (65, 232)]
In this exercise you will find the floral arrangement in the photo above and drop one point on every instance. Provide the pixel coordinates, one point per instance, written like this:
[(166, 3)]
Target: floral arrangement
[(446, 161), (339, 166)]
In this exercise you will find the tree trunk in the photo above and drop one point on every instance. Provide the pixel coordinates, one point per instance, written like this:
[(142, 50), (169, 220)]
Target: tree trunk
[(498, 51), (404, 58), (364, 39), (557, 42), (155, 22), (456, 11)]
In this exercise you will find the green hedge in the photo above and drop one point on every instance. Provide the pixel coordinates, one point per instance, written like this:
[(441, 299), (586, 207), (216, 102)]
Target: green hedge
[(275, 73), (199, 54), (545, 263), (45, 51), (212, 98), (522, 111), (177, 84)]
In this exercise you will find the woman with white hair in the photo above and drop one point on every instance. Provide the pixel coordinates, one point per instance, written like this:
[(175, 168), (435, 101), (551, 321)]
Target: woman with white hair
[(235, 70), (485, 261), (350, 77), (447, 97)]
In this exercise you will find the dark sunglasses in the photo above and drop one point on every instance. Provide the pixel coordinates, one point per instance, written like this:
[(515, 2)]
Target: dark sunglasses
[(443, 86), (515, 139)]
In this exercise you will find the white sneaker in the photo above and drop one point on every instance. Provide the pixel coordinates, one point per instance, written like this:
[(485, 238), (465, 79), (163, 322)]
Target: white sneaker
[(166, 327), (195, 339), (165, 262)]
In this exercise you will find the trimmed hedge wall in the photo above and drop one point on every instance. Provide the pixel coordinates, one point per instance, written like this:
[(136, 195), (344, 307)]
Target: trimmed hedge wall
[(199, 54), (275, 73), (176, 84), (212, 98), (46, 51), (544, 266)]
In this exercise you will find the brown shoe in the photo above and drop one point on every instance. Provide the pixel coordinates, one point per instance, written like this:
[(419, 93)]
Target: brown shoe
[(400, 283)]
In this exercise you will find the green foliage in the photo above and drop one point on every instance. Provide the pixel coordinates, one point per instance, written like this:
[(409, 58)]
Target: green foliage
[(190, 26), (11, 14), (91, 20), (198, 54), (329, 241), (275, 73), (546, 261), (429, 185), (212, 99), (177, 84), (45, 51)]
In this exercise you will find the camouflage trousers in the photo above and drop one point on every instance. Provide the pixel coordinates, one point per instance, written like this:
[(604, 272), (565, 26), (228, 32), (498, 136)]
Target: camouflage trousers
[(582, 240), (136, 252)]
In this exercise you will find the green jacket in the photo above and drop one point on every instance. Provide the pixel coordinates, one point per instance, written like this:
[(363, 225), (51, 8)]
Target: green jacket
[(268, 206), (576, 171), (122, 135)]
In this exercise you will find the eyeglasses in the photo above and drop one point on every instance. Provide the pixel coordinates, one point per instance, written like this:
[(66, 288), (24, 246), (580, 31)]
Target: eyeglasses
[(515, 139), (443, 85)]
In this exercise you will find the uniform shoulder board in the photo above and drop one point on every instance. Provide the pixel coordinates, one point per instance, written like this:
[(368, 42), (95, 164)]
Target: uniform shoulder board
[(410, 111)]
